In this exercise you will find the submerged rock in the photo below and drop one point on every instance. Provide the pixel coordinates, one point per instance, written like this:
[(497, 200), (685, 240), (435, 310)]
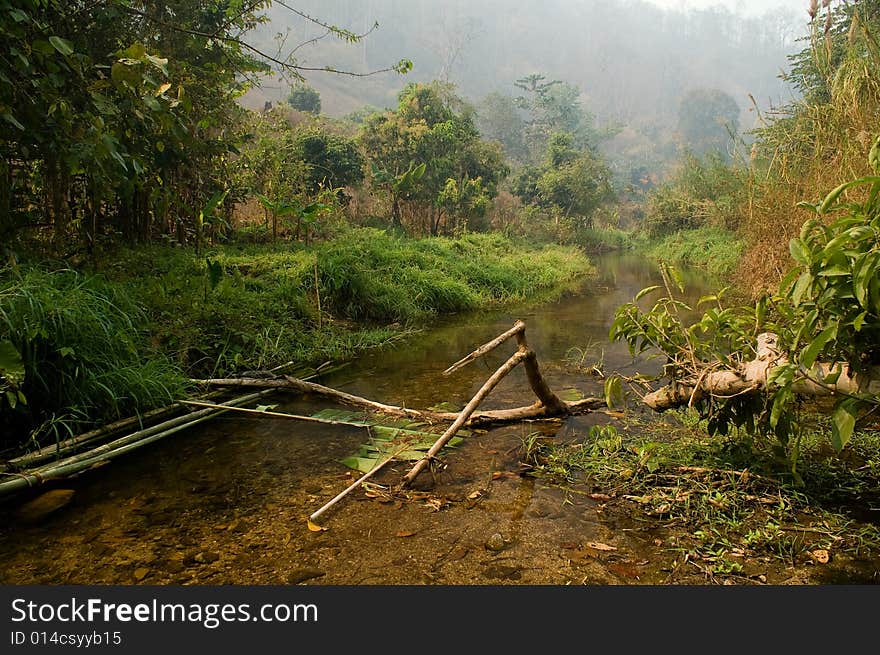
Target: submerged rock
[(495, 542), (44, 505), (301, 575)]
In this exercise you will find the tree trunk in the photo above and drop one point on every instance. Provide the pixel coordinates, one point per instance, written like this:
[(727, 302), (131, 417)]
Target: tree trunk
[(752, 376)]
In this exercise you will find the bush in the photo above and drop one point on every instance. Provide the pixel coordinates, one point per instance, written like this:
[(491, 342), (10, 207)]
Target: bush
[(702, 192)]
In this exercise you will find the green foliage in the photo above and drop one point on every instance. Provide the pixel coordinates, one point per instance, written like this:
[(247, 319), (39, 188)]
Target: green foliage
[(498, 119), (827, 309), (821, 136), (704, 191), (554, 107), (256, 307), (114, 114), (296, 173), (80, 347), (572, 183), (401, 440), (712, 249), (367, 274), (434, 128), (331, 160), (305, 98)]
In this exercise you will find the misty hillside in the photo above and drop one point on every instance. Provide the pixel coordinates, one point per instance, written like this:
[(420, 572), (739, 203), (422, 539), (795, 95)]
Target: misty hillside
[(632, 61)]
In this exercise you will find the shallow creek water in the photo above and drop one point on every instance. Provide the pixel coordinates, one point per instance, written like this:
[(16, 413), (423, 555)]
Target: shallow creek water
[(226, 502)]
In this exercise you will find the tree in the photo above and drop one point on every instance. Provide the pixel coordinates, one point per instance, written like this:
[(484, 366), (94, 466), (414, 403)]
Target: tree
[(331, 160), (434, 128), (305, 98), (121, 116), (571, 181), (707, 120), (817, 334), (553, 107)]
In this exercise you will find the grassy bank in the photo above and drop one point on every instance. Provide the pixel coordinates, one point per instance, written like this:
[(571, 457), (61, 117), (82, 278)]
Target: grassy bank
[(101, 345), (713, 249)]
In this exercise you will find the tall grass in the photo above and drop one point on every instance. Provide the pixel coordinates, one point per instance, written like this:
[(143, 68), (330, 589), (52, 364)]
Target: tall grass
[(97, 347), (810, 146), (83, 345), (370, 286), (369, 274), (713, 249)]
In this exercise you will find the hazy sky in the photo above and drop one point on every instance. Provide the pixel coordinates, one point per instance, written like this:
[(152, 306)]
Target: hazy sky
[(749, 7)]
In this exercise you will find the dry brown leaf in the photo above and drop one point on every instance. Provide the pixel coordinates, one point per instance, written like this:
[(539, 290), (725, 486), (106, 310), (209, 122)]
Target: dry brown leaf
[(314, 527), (820, 556), (404, 533), (595, 545), (623, 569)]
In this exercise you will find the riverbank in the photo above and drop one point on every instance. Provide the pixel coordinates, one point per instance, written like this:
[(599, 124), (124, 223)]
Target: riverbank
[(712, 249), (98, 345)]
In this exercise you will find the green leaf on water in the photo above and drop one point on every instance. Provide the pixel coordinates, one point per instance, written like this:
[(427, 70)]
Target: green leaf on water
[(570, 395)]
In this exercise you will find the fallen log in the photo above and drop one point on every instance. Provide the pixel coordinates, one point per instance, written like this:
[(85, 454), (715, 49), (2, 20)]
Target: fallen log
[(752, 376), (485, 418)]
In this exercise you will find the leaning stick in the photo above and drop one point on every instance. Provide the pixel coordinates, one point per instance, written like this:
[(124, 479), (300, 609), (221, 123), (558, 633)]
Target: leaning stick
[(354, 485), (517, 328), (464, 415)]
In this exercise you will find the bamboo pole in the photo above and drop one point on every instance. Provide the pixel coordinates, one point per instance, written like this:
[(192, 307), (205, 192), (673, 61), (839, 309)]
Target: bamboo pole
[(67, 445), (58, 449), (463, 416), (83, 461)]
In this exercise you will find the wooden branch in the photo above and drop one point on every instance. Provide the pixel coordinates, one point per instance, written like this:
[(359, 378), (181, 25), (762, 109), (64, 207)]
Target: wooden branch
[(518, 328), (542, 390), (534, 412), (287, 382), (463, 416)]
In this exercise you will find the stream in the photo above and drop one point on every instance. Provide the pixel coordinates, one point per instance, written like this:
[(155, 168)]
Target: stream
[(226, 502)]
